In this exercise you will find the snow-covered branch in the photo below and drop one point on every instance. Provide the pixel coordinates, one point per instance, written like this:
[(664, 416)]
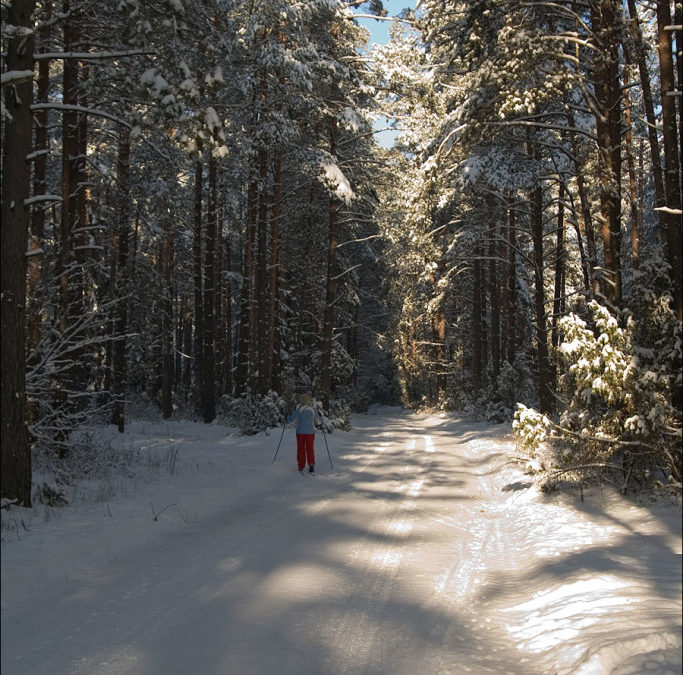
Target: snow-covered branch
[(81, 109), (88, 56), (15, 77), (42, 198), (397, 19), (543, 125), (355, 241)]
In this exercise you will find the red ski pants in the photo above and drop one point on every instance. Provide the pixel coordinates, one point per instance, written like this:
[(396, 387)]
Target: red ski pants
[(304, 449)]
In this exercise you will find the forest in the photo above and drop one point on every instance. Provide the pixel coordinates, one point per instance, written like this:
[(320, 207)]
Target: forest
[(198, 220)]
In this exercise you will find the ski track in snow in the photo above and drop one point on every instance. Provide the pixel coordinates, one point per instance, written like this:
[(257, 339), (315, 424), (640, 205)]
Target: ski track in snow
[(426, 551)]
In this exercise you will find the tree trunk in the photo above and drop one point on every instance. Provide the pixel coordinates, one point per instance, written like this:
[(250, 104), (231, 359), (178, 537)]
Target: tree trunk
[(15, 451), (648, 104), (246, 300), (672, 169), (119, 369), (574, 218), (494, 291), (273, 362), (511, 286), (560, 256), (228, 374), (262, 274), (79, 288), (70, 170), (608, 121), (331, 287), (219, 327), (187, 348), (167, 369), (40, 149), (65, 264), (586, 215), (542, 355), (632, 183), (208, 387), (477, 330), (198, 353)]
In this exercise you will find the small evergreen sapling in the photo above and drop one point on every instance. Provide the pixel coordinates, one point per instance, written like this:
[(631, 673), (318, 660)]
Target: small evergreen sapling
[(620, 413)]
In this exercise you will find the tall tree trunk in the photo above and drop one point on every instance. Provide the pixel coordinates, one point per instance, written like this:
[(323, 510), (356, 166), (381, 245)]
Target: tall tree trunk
[(262, 274), (672, 169), (331, 286), (228, 373), (70, 169), (198, 352), (483, 281), (511, 285), (111, 319), (273, 362), (648, 103), (477, 328), (178, 305), (15, 451), (585, 213), (608, 120), (632, 183), (589, 230), (641, 184), (504, 270), (246, 301), (219, 328), (542, 355), (79, 286), (35, 262), (574, 217), (494, 290), (209, 312), (187, 348), (119, 369), (65, 260), (560, 256), (167, 369)]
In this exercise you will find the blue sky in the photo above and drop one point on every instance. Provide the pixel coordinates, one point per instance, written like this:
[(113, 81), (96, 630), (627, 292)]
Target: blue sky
[(379, 33), (379, 30)]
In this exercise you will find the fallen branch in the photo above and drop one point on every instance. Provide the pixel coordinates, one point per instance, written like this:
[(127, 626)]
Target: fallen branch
[(581, 467), (602, 439), (156, 515)]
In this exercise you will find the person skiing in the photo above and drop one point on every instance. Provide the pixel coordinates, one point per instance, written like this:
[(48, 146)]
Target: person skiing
[(306, 416)]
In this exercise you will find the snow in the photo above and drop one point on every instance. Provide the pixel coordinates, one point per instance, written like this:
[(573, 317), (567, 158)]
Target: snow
[(338, 182), (213, 122), (351, 119), (15, 77), (426, 550)]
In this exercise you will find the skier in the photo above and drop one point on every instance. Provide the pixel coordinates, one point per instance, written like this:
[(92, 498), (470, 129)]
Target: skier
[(306, 415)]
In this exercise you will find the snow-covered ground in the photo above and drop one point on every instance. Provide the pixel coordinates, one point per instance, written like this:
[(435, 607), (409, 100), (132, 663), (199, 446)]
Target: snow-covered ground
[(427, 550)]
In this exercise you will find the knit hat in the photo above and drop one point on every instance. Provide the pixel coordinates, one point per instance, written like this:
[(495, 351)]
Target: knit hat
[(305, 399)]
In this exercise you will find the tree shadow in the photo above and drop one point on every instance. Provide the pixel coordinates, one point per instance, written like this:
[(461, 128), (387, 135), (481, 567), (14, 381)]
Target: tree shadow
[(303, 575)]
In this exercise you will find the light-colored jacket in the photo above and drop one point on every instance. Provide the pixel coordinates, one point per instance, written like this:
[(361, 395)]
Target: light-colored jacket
[(306, 416)]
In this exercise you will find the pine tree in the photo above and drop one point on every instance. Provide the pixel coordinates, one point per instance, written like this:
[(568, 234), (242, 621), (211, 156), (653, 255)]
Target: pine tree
[(16, 146)]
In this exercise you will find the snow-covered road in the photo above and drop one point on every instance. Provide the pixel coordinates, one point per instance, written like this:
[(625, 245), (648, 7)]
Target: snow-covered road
[(425, 551)]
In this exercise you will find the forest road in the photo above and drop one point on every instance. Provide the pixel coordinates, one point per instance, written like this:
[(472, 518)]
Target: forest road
[(415, 556)]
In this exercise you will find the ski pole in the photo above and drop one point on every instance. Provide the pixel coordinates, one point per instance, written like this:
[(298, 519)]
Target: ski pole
[(278, 445), (327, 446)]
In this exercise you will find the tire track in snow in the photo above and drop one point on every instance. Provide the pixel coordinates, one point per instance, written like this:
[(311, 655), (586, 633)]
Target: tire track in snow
[(376, 560), (468, 536), (425, 554)]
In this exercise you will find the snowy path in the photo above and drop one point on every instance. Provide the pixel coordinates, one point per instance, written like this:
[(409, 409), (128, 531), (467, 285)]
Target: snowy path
[(425, 551)]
